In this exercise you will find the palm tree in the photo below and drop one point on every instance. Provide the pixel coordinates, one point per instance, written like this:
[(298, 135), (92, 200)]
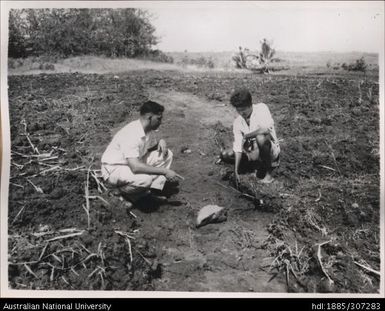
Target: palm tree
[(266, 55)]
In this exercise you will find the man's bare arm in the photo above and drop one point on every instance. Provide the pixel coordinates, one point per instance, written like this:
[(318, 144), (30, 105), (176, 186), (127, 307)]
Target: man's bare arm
[(238, 156), (259, 131), (138, 167)]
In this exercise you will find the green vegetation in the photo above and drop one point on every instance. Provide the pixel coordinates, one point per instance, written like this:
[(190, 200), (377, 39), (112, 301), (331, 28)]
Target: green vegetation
[(202, 62), (263, 58), (240, 59), (266, 55), (358, 65), (73, 32)]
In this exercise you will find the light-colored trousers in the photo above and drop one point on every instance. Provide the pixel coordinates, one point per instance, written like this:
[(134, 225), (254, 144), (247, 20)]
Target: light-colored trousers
[(122, 177)]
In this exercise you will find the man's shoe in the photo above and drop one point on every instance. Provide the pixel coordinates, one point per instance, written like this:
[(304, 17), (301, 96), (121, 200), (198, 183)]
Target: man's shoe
[(158, 199), (266, 180)]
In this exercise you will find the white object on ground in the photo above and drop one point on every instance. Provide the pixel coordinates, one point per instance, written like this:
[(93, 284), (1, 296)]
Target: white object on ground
[(209, 214)]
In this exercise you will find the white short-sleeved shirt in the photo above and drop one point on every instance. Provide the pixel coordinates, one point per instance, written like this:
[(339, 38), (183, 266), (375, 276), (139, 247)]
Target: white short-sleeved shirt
[(260, 117), (129, 142)]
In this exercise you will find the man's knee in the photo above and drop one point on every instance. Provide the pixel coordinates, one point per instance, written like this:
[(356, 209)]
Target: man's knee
[(142, 181), (253, 155), (264, 144), (263, 140), (227, 155)]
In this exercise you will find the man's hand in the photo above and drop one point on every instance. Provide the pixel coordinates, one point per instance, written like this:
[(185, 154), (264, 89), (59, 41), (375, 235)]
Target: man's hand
[(238, 156), (172, 176), (162, 148), (247, 145), (244, 139)]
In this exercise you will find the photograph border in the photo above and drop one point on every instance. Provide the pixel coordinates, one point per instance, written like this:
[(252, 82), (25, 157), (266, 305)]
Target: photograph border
[(5, 168)]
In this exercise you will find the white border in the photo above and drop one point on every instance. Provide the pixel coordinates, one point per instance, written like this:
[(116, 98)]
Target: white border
[(5, 292), (382, 164)]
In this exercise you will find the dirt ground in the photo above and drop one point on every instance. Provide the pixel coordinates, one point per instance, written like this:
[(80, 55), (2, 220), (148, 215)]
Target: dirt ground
[(315, 229)]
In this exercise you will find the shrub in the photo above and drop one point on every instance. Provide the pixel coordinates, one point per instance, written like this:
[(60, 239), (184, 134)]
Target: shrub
[(358, 65), (73, 32), (202, 62), (240, 59), (267, 52), (158, 56), (47, 66), (264, 57), (17, 32), (210, 63)]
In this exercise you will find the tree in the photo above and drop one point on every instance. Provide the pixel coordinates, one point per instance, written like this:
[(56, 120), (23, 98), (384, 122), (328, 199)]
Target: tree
[(358, 65), (242, 57), (17, 33), (266, 55), (71, 32)]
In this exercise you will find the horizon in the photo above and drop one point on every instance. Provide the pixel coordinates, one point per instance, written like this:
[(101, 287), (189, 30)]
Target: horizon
[(280, 51)]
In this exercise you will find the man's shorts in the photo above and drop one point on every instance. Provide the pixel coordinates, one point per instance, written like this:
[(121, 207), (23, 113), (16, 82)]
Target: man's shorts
[(274, 151)]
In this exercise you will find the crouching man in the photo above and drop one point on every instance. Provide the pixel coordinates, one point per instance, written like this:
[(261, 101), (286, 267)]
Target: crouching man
[(255, 139), (134, 161)]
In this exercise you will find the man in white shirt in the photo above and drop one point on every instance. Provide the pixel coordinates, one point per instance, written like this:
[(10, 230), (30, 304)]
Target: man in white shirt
[(134, 161), (255, 138)]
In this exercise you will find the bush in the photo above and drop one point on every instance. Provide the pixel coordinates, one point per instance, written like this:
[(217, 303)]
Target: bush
[(202, 62), (73, 32), (47, 66), (264, 57), (17, 31), (267, 53), (240, 59), (358, 65), (158, 56)]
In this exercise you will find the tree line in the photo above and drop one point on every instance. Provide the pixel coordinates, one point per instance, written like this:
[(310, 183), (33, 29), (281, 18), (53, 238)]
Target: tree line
[(71, 32)]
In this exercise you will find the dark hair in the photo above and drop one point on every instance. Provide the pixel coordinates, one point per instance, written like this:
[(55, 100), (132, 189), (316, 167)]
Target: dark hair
[(151, 107), (241, 98)]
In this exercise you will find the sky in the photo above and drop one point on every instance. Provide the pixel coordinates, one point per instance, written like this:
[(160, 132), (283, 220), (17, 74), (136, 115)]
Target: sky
[(291, 26)]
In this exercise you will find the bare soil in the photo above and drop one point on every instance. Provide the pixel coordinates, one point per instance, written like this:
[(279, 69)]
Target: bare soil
[(326, 188)]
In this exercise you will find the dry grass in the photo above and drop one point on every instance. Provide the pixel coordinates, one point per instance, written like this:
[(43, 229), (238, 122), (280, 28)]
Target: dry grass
[(222, 61)]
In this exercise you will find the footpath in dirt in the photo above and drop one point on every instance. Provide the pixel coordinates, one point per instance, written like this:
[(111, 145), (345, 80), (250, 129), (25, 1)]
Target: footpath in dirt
[(219, 257)]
